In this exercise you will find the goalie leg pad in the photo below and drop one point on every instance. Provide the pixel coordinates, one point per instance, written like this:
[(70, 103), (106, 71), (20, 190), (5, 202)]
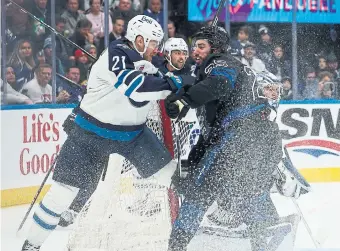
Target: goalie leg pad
[(47, 214)]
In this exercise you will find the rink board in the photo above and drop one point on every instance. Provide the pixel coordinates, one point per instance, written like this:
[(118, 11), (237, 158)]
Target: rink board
[(31, 139)]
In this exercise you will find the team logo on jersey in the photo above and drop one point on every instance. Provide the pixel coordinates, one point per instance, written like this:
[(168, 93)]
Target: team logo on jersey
[(315, 147), (215, 63)]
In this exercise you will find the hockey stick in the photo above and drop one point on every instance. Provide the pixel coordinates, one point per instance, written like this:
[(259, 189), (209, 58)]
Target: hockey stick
[(316, 243), (68, 80), (36, 195), (218, 11), (52, 29)]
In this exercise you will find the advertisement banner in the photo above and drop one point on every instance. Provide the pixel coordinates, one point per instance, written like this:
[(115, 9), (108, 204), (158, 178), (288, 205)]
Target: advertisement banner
[(278, 11), (30, 141), (311, 133), (32, 138)]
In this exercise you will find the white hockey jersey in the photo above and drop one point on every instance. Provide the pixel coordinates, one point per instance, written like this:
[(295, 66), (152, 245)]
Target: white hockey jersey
[(117, 100)]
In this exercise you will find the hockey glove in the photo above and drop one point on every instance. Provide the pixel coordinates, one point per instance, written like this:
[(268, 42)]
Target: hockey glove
[(177, 82), (68, 124), (145, 67), (288, 184), (171, 108)]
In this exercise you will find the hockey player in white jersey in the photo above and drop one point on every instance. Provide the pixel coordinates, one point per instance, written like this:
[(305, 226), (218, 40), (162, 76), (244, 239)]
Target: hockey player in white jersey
[(175, 56), (111, 119)]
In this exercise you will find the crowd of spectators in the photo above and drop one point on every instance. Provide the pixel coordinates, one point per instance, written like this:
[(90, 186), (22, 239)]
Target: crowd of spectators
[(319, 78), (29, 50)]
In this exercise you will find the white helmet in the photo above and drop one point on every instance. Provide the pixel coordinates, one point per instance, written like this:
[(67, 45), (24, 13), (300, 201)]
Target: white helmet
[(146, 27), (175, 44)]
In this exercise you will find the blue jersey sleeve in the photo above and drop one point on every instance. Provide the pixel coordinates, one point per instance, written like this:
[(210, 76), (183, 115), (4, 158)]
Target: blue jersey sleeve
[(132, 83)]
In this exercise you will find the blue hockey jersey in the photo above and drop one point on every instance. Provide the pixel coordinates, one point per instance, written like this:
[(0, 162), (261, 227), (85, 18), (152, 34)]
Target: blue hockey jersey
[(117, 98)]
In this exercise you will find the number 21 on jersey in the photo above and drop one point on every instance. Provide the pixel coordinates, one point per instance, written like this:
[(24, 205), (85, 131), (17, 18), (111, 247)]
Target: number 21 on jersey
[(118, 63)]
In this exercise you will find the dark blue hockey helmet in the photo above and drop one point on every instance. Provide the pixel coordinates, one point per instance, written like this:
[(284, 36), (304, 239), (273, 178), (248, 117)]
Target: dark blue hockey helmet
[(217, 37)]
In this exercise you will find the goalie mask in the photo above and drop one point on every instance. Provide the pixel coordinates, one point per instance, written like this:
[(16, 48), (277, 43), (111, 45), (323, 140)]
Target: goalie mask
[(267, 88), (178, 46)]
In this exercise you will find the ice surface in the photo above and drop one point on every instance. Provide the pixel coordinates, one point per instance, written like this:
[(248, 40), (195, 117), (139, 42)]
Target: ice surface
[(321, 208)]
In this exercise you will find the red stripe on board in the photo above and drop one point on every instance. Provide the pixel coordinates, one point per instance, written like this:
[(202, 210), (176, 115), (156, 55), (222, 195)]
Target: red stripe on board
[(316, 142)]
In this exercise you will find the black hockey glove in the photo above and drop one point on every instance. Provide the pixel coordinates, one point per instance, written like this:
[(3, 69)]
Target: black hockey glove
[(174, 106), (171, 108), (68, 124)]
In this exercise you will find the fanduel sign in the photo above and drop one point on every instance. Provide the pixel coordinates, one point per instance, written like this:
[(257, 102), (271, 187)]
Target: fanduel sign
[(308, 11)]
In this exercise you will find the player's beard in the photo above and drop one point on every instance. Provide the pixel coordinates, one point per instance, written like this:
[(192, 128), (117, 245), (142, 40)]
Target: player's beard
[(179, 65)]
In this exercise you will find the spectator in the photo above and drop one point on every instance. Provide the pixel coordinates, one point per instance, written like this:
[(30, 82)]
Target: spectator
[(82, 64), (287, 93), (325, 78), (38, 89), (17, 21), (13, 96), (333, 66), (61, 45), (322, 64), (92, 50), (172, 31), (250, 60), (71, 91), (328, 90), (40, 57), (61, 6), (39, 32), (96, 17), (116, 33), (278, 65), (310, 87), (72, 16), (154, 11), (22, 62), (137, 5), (48, 56), (242, 38), (117, 29), (123, 10), (82, 35), (265, 47)]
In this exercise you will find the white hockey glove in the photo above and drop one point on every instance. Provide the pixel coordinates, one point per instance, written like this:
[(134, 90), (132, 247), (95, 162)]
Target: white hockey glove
[(287, 184), (145, 67)]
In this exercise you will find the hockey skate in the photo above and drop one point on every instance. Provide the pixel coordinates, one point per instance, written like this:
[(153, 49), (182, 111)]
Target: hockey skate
[(67, 218), (29, 247)]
